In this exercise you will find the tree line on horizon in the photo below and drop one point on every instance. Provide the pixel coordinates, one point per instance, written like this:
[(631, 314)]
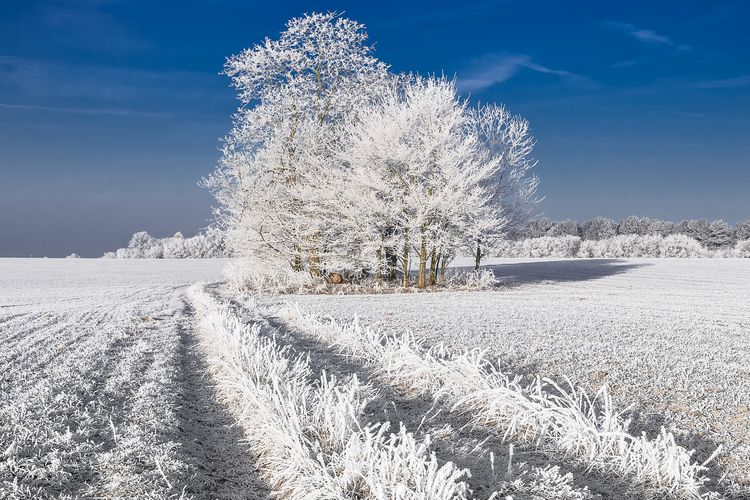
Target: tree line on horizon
[(713, 235)]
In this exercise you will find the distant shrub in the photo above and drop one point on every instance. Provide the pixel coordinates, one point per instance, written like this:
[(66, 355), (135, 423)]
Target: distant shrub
[(628, 245), (712, 235), (742, 249), (144, 246), (620, 246), (679, 245), (634, 246), (544, 246)]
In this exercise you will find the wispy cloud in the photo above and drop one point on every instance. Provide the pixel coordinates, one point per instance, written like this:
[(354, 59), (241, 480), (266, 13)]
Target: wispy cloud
[(497, 68), (647, 36)]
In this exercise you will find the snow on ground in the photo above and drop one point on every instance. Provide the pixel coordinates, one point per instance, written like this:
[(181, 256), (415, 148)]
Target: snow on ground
[(494, 467), (669, 335), (101, 389)]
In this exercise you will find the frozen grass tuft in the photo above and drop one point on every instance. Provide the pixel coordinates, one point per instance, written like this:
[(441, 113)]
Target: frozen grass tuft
[(543, 483), (481, 279), (564, 419), (89, 409), (307, 433), (248, 274)]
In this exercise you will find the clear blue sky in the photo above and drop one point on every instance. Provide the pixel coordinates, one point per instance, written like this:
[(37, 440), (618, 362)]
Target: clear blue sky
[(111, 111)]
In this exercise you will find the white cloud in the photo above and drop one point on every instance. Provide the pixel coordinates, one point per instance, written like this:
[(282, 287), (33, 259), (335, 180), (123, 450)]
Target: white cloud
[(497, 68), (645, 35)]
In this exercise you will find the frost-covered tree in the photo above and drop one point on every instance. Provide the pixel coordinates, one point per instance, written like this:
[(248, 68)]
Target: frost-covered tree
[(658, 227), (291, 90), (333, 164), (141, 241), (567, 227), (507, 139), (720, 235), (598, 228), (634, 225), (425, 181), (696, 229), (538, 228), (208, 244), (742, 230)]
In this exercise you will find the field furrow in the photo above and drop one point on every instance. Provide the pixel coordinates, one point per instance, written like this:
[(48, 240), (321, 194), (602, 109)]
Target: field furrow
[(119, 380), (668, 336), (101, 397)]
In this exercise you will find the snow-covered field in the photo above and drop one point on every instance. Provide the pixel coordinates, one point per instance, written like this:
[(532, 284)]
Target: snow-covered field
[(101, 390), (117, 379), (667, 335)]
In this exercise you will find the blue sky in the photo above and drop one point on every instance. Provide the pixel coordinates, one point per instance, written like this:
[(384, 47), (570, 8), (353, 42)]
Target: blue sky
[(111, 111)]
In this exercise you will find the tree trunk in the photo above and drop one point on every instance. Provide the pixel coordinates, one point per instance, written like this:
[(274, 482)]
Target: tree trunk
[(314, 263), (405, 262), (313, 259), (422, 277), (442, 268), (379, 268), (438, 262), (297, 262), (433, 266), (478, 255), (391, 260)]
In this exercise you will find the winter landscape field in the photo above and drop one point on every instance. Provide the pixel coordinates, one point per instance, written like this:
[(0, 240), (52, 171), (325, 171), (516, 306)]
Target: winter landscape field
[(123, 378), (493, 250)]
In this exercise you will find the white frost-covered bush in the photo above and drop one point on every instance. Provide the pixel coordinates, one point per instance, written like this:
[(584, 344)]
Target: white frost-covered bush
[(620, 246), (679, 245), (588, 248), (544, 246), (630, 245), (634, 246), (481, 279), (742, 249), (201, 246)]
